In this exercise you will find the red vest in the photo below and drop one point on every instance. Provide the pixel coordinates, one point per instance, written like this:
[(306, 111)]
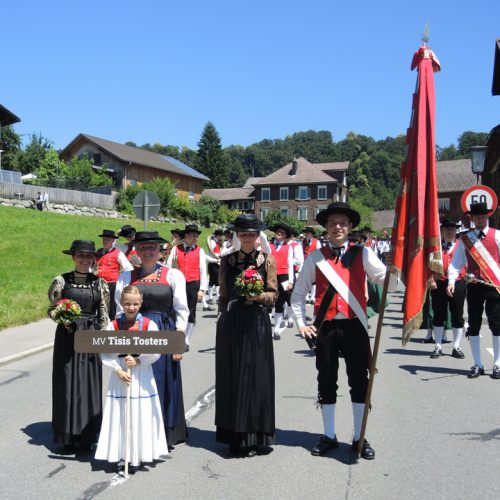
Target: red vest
[(216, 250), (135, 326), (309, 248), (131, 251), (281, 258), (293, 244), (491, 246), (354, 277), (108, 267), (447, 258), (189, 263)]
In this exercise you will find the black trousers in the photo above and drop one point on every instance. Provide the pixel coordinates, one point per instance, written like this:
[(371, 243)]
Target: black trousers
[(213, 274), (349, 336), (441, 300), (192, 289), (112, 303), (284, 295), (480, 298)]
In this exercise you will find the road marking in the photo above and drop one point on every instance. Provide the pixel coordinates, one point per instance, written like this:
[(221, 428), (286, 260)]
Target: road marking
[(25, 354)]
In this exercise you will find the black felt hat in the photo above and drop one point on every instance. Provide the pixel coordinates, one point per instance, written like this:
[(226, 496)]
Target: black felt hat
[(284, 227), (141, 236), (478, 209), (180, 232), (446, 222), (126, 231), (218, 232), (191, 228), (246, 223), (309, 229), (81, 246), (338, 207), (108, 233)]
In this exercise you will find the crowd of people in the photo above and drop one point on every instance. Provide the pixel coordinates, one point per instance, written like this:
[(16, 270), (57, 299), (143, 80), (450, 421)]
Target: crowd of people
[(150, 283)]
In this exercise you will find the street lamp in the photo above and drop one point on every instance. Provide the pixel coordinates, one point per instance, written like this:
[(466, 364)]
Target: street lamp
[(478, 155)]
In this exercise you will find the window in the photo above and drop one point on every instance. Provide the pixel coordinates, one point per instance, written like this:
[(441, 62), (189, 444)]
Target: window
[(97, 159), (302, 213), (318, 209), (322, 193), (265, 194), (132, 182), (284, 193), (302, 193), (284, 211), (443, 204), (263, 213)]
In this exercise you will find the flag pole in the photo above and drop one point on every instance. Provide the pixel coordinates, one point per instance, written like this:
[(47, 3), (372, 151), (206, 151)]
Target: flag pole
[(373, 364), (127, 425)]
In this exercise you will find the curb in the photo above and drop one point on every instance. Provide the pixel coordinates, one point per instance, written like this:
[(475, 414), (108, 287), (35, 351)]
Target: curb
[(24, 354)]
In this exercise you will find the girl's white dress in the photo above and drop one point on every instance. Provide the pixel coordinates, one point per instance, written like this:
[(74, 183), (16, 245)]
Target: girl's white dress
[(147, 433)]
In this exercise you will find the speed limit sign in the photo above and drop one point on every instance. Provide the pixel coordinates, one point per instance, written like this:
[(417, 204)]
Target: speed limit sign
[(479, 194)]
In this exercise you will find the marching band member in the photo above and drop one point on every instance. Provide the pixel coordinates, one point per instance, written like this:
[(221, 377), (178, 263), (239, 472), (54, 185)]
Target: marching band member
[(340, 272), (479, 251)]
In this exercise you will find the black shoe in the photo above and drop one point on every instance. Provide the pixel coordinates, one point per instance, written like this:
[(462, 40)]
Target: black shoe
[(68, 449), (209, 308), (250, 452), (276, 336), (458, 353), (323, 445), (186, 348), (445, 341), (436, 353), (496, 372), (210, 301), (233, 451), (475, 371), (367, 452), (430, 340)]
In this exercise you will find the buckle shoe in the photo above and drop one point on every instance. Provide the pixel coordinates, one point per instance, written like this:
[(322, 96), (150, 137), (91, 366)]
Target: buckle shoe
[(458, 353), (276, 336), (367, 452), (475, 371), (436, 353), (323, 445), (496, 372)]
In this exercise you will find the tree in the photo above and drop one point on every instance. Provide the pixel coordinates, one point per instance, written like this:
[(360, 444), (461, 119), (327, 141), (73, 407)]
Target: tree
[(470, 139), (51, 171), (11, 148), (34, 153), (210, 158)]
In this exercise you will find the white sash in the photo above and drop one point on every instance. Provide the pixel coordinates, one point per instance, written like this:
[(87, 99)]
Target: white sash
[(342, 289)]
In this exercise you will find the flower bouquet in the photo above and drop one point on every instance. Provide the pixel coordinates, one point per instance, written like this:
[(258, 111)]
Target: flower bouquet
[(249, 283), (66, 311)]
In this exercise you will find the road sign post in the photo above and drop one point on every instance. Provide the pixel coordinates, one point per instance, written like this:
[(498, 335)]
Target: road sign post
[(146, 205)]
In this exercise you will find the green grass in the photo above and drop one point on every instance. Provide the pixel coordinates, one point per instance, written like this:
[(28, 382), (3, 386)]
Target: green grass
[(31, 244)]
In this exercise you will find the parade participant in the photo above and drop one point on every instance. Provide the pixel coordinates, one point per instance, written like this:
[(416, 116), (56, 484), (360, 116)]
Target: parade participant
[(164, 302), (283, 255), (309, 244), (77, 377), (383, 245), (298, 261), (340, 272), (177, 235), (110, 262), (165, 250), (128, 232), (146, 430), (190, 259), (244, 361), (368, 240), (214, 243), (441, 300), (479, 251)]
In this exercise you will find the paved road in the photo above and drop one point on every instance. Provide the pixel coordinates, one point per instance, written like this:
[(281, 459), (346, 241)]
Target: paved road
[(436, 433)]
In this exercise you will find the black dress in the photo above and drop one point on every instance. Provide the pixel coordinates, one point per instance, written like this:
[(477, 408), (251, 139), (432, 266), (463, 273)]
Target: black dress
[(244, 360), (77, 377)]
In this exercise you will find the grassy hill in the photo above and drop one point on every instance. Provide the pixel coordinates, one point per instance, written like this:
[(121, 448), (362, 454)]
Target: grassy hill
[(31, 255)]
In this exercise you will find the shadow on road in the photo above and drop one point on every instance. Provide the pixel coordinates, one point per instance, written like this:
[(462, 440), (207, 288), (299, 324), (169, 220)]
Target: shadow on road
[(406, 352), (479, 436), (446, 372)]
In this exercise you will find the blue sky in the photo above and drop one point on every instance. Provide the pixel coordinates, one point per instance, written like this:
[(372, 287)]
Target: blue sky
[(157, 71)]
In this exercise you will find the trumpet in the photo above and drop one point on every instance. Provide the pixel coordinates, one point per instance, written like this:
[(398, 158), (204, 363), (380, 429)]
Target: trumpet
[(470, 278)]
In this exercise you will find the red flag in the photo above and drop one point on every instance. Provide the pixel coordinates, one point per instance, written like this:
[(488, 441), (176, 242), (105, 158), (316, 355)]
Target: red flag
[(416, 239)]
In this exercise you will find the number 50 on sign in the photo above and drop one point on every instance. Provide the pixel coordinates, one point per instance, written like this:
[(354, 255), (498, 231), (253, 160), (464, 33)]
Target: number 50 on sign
[(479, 194)]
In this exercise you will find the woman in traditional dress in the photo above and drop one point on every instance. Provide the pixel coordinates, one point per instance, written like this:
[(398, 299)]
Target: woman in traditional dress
[(244, 360), (77, 377), (164, 302)]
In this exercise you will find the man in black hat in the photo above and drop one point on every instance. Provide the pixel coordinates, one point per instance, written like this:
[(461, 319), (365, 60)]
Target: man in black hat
[(441, 300), (190, 260), (283, 255), (110, 262), (309, 244), (340, 271), (214, 243), (479, 251), (128, 232)]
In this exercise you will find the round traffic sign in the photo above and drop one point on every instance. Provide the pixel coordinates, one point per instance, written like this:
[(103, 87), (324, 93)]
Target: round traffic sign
[(146, 204), (479, 194)]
